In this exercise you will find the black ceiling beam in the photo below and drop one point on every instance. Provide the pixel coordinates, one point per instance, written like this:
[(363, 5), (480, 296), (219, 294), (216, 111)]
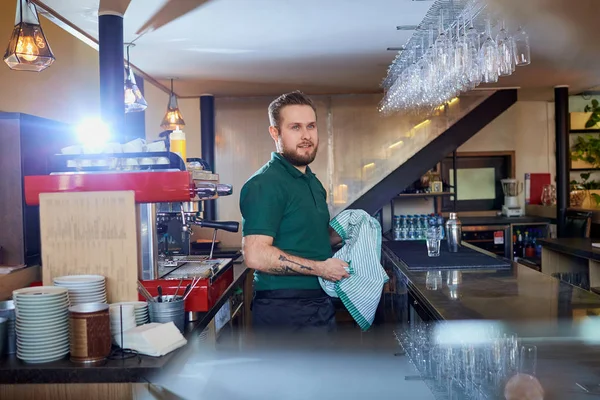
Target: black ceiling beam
[(464, 129)]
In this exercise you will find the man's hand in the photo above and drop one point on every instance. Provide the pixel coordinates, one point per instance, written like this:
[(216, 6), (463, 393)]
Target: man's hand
[(333, 269)]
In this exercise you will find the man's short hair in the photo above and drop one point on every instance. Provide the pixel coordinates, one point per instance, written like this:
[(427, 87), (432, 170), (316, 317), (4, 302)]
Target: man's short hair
[(295, 98)]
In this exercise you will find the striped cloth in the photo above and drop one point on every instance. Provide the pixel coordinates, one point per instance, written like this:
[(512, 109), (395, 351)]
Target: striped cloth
[(361, 292)]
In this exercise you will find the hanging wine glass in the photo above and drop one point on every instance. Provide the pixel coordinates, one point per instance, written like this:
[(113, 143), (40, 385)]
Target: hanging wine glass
[(522, 51), (506, 58), (488, 56), (474, 65)]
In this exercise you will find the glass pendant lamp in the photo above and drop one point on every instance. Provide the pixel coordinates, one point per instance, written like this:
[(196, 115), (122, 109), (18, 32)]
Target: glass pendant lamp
[(173, 119), (28, 49), (134, 100)]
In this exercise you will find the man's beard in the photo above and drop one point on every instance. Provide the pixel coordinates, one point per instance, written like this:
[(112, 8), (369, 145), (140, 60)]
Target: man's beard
[(298, 160)]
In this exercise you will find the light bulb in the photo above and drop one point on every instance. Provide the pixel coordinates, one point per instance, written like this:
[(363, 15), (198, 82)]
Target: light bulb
[(129, 96), (172, 117), (27, 48)]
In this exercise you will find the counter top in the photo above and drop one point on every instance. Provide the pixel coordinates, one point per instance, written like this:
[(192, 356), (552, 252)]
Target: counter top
[(578, 247), (501, 220), (517, 294), (137, 369)]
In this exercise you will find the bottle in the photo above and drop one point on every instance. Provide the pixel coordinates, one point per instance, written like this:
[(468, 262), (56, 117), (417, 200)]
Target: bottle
[(411, 229), (177, 139), (440, 223), (519, 249), (453, 232)]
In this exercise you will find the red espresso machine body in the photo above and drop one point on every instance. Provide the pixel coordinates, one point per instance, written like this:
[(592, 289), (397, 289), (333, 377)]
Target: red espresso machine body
[(170, 198)]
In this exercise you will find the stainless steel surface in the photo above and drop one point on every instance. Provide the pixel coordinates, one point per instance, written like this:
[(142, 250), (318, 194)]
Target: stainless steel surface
[(453, 232), (3, 334), (168, 311), (192, 316), (148, 242), (224, 190), (7, 310), (192, 269), (191, 206)]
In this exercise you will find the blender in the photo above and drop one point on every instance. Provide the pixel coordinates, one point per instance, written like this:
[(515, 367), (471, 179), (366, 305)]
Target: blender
[(512, 188)]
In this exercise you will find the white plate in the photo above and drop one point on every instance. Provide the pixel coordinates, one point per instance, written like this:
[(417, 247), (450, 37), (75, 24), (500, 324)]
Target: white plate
[(35, 301), (28, 327), (41, 318), (39, 292), (23, 352), (42, 359), (79, 279), (42, 342), (42, 305)]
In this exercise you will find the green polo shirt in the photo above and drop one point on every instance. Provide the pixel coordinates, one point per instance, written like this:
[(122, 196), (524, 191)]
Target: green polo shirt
[(291, 207)]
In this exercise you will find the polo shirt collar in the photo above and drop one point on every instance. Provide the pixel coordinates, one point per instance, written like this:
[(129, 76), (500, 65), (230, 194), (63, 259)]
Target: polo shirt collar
[(295, 172)]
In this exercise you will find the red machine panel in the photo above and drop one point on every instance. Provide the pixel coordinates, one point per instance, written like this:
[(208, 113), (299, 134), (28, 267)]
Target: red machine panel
[(149, 187), (202, 298)]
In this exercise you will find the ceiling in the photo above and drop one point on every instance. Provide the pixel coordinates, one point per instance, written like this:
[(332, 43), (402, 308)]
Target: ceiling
[(266, 47), (243, 48)]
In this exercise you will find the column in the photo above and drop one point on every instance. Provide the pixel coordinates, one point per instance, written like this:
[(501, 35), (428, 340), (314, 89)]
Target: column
[(207, 138), (112, 72), (563, 159)]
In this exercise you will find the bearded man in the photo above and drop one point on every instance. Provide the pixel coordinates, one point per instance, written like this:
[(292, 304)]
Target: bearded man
[(285, 226)]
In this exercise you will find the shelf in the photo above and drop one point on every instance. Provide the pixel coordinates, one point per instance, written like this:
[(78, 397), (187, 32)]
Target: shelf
[(579, 131), (420, 195), (584, 169)]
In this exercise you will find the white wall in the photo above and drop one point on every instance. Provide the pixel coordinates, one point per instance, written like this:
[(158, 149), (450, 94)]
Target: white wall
[(526, 128)]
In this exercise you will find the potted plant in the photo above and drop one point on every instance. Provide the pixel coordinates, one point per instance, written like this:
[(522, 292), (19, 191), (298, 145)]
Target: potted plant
[(585, 152), (589, 119), (579, 191)]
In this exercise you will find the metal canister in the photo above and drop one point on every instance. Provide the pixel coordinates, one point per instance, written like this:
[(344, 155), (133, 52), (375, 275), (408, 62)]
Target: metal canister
[(453, 233)]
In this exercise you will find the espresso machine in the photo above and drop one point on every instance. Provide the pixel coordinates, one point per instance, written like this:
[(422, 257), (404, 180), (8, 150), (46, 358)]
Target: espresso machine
[(169, 195)]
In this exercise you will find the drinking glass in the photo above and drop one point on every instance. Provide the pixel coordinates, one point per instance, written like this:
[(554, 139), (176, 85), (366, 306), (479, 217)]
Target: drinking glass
[(506, 58), (488, 56), (522, 50), (528, 360), (433, 243)]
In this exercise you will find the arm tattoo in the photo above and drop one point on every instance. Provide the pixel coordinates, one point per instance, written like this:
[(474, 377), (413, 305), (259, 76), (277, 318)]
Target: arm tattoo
[(285, 259), (286, 269), (283, 270)]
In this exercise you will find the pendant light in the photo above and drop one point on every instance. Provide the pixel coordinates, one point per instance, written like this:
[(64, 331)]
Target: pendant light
[(173, 119), (28, 49), (134, 100)]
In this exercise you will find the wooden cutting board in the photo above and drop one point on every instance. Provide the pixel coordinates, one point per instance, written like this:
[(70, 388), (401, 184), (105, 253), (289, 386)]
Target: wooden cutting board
[(91, 233)]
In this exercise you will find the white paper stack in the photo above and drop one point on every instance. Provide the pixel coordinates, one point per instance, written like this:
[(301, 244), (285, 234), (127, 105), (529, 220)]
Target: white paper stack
[(154, 339)]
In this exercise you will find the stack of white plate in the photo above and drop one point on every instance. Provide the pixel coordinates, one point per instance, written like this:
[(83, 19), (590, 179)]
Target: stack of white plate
[(83, 288), (140, 309), (42, 323), (122, 318)]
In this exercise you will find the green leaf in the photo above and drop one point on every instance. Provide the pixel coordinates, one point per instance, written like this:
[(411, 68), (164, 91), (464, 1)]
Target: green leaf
[(596, 198), (585, 175), (595, 103), (590, 123)]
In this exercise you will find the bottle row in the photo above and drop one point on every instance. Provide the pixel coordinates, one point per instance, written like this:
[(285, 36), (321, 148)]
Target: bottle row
[(415, 227)]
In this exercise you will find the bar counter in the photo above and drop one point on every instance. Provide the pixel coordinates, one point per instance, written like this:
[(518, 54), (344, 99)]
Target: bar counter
[(137, 369), (515, 294), (540, 309)]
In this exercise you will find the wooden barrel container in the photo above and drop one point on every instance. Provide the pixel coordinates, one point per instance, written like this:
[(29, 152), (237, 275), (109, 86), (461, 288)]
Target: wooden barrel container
[(90, 332)]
